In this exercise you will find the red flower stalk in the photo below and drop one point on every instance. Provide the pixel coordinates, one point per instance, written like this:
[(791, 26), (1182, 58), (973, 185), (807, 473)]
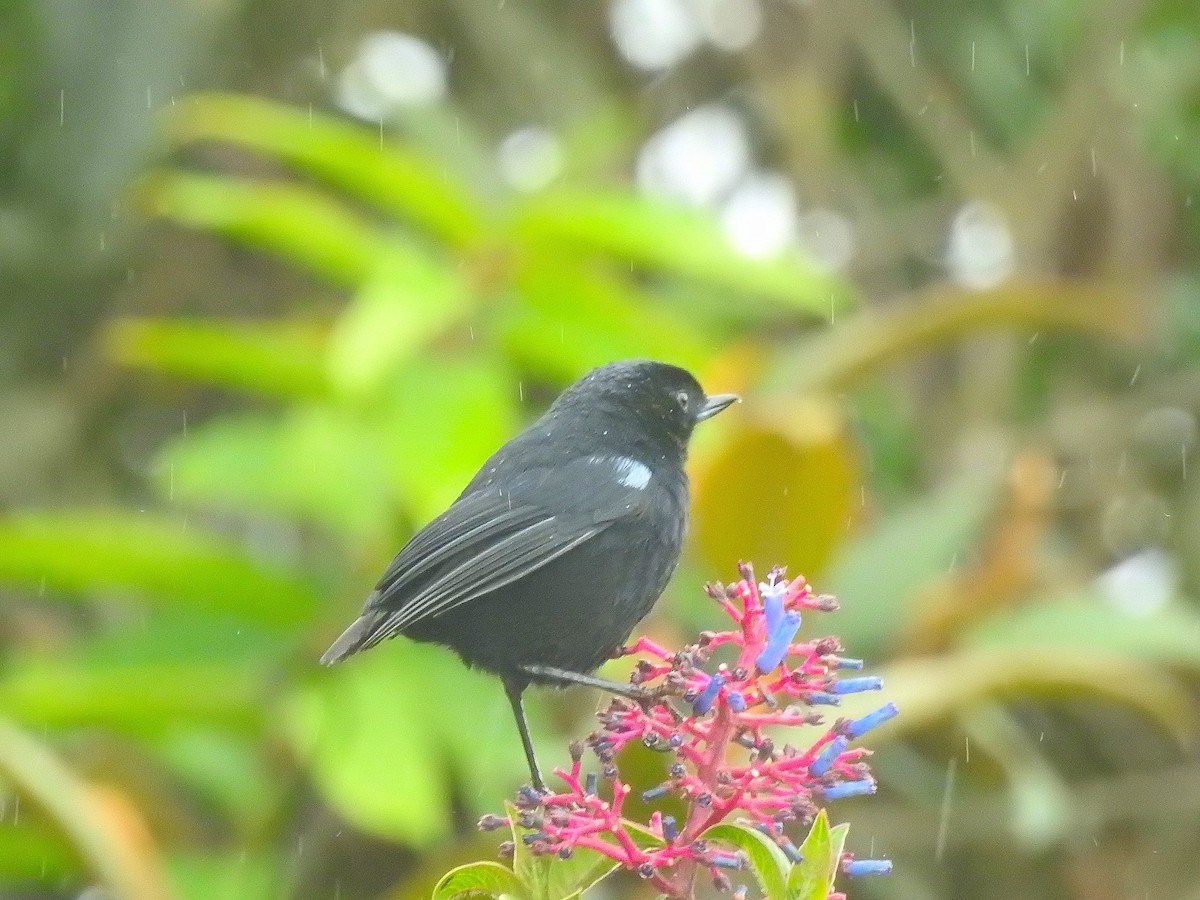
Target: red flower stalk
[(774, 682)]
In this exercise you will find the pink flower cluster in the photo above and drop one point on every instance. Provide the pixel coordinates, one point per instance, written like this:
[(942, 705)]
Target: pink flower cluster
[(705, 720)]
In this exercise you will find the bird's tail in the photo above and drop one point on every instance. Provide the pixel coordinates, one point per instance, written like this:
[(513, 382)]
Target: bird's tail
[(352, 640)]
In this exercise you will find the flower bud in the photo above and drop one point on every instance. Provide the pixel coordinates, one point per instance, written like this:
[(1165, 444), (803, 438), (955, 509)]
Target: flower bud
[(491, 822), (528, 796), (791, 851), (670, 829), (656, 792), (706, 699)]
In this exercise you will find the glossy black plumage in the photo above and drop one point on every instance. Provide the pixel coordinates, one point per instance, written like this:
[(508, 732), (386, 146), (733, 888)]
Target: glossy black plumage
[(560, 544)]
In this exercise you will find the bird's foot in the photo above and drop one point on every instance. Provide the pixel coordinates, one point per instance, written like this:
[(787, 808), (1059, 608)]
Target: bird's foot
[(565, 677)]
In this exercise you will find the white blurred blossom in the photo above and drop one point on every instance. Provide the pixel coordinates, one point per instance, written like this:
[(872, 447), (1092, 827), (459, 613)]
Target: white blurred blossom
[(729, 24), (654, 34), (981, 252), (391, 70), (529, 158), (1142, 583), (698, 158), (759, 216)]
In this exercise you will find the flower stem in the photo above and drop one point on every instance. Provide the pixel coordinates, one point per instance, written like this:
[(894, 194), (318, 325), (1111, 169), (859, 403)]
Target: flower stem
[(699, 818)]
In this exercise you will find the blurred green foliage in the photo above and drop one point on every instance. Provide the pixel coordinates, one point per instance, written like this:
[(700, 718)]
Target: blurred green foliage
[(250, 345)]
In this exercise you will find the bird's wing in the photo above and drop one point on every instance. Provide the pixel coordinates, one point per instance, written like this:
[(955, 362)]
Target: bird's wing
[(493, 537)]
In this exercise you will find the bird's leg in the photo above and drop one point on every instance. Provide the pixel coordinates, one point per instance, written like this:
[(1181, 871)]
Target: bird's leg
[(553, 675), (514, 689)]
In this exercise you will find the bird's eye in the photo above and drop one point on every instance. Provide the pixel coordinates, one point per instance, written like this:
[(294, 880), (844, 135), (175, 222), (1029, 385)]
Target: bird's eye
[(681, 397)]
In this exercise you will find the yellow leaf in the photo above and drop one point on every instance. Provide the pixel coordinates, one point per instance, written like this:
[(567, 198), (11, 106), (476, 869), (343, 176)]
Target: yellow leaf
[(778, 491)]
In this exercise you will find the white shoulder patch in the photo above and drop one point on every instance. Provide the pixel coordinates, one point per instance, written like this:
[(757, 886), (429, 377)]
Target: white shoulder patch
[(629, 472), (632, 473)]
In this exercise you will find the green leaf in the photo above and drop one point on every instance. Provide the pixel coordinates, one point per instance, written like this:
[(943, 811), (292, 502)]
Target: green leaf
[(440, 421), (675, 239), (31, 853), (812, 877), (409, 299), (769, 863), (837, 845), (315, 462), (546, 877), (488, 878), (150, 675), (1040, 799), (913, 546), (572, 317), (226, 875), (98, 834), (185, 634), (144, 698), (1169, 635), (280, 359), (296, 222), (162, 560), (348, 156), (227, 770), (370, 736), (418, 709)]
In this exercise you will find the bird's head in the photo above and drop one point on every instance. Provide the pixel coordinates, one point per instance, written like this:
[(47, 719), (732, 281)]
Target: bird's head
[(657, 402)]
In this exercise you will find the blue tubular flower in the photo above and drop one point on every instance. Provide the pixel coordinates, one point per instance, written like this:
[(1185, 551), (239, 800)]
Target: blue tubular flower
[(778, 642), (855, 685), (828, 756), (845, 663), (726, 861), (822, 698), (669, 828), (791, 852), (857, 867), (859, 727), (655, 792), (736, 701), (708, 696), (772, 598), (849, 789)]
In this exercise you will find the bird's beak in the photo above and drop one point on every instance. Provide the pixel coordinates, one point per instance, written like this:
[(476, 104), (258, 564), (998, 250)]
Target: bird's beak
[(714, 404)]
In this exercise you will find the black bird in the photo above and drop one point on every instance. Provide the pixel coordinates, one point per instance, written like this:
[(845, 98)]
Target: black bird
[(560, 544)]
